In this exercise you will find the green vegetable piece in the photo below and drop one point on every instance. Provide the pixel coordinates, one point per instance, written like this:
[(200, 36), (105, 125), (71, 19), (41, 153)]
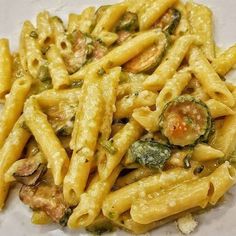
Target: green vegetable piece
[(77, 84), (34, 34), (186, 121), (187, 163), (43, 74), (128, 22), (148, 60), (63, 221), (150, 153), (109, 146)]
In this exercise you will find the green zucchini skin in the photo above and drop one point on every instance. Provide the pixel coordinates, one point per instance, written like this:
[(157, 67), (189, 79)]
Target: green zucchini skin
[(148, 60), (128, 22), (202, 130), (169, 21), (150, 153)]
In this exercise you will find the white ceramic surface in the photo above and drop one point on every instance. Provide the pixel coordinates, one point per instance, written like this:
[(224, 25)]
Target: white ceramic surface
[(15, 219)]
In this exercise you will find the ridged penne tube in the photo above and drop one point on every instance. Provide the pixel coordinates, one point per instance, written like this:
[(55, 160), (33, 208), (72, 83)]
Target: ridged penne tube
[(109, 19), (222, 179), (204, 152), (13, 106), (218, 109), (60, 38), (121, 142), (88, 118), (181, 198), (5, 67), (126, 105), (57, 68), (170, 64), (208, 78), (135, 6), (51, 97), (73, 22), (91, 201), (26, 30), (11, 152), (172, 89), (47, 140), (225, 61), (119, 201), (121, 54), (110, 83), (87, 20), (224, 139), (45, 34), (134, 176), (153, 12), (201, 24), (34, 55)]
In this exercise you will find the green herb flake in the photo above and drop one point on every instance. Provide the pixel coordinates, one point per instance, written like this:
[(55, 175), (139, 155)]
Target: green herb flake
[(33, 34), (109, 146), (187, 163), (111, 215), (24, 126), (101, 72), (198, 170)]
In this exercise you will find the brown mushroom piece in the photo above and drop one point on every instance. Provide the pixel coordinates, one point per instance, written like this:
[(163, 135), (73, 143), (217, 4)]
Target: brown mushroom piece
[(29, 172), (46, 198), (148, 59)]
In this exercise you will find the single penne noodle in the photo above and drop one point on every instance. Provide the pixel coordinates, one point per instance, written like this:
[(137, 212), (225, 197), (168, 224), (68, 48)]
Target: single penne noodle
[(126, 105), (224, 139), (121, 54), (153, 12), (208, 78), (135, 6), (110, 83), (86, 20), (5, 67), (60, 38), (50, 145), (218, 109), (181, 198), (34, 55), (13, 106), (121, 142), (11, 152), (222, 179), (91, 201), (134, 176), (168, 67), (225, 61), (109, 19), (201, 24), (45, 34), (73, 22), (204, 152), (51, 97), (119, 201), (26, 30), (88, 118), (57, 68)]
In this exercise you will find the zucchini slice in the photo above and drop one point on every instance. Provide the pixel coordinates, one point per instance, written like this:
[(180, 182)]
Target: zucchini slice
[(150, 153), (128, 22), (150, 58), (186, 121), (169, 21)]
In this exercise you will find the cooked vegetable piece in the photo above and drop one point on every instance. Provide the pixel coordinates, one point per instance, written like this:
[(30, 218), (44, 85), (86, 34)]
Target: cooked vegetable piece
[(150, 58), (186, 121), (29, 172), (122, 36), (128, 22), (48, 199), (43, 74), (150, 153), (100, 225), (99, 50), (169, 21)]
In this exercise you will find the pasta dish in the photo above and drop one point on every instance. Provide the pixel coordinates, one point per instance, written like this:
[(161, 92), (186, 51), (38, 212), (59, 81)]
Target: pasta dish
[(120, 117)]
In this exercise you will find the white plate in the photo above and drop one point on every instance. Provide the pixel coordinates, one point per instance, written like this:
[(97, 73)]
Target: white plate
[(15, 219)]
